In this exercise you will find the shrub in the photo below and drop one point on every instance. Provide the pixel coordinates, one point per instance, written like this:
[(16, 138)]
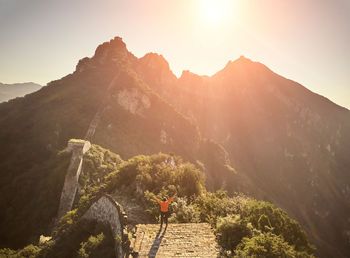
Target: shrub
[(29, 251), (183, 212), (189, 180), (267, 218), (154, 174), (88, 247), (218, 204), (231, 230), (266, 245)]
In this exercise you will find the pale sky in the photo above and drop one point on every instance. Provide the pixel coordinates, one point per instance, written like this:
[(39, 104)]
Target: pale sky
[(307, 41)]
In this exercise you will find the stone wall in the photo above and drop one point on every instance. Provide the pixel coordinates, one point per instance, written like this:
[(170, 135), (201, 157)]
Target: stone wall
[(96, 120), (78, 148), (106, 210)]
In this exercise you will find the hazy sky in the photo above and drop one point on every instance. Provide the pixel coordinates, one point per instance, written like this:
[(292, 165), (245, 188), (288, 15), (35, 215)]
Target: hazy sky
[(304, 40)]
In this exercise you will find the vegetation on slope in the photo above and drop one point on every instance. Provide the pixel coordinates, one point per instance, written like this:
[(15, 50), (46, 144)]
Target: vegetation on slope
[(243, 225), (277, 133), (30, 201)]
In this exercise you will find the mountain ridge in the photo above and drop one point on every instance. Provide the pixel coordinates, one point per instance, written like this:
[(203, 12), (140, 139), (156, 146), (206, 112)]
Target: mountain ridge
[(15, 90), (273, 121), (285, 143)]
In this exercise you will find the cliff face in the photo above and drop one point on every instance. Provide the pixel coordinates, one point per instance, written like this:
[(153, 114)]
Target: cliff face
[(290, 145)]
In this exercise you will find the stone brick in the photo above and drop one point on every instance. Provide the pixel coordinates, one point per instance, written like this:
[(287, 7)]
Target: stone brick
[(177, 240)]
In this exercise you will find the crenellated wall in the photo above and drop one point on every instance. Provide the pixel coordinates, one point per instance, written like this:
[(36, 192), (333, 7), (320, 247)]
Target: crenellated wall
[(78, 148)]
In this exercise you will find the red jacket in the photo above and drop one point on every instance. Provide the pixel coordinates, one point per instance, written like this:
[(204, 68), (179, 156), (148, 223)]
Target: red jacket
[(164, 205)]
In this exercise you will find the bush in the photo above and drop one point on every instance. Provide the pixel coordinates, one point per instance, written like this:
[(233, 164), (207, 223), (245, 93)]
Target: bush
[(266, 245), (231, 230), (84, 238), (267, 218), (154, 174), (214, 205), (184, 212), (29, 251), (89, 247), (190, 180)]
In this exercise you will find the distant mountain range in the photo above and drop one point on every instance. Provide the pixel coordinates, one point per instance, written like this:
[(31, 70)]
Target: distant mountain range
[(11, 91), (251, 130)]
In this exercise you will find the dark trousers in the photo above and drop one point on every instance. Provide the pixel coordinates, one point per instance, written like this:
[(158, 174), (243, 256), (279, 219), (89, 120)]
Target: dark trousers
[(163, 217)]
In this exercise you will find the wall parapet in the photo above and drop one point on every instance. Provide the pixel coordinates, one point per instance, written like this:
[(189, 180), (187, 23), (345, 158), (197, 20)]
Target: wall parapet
[(103, 208), (78, 148), (106, 210)]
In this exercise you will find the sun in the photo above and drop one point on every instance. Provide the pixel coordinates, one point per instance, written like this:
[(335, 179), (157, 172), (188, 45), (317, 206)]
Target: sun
[(215, 10)]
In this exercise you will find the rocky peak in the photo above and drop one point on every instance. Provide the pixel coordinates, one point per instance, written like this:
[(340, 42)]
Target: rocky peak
[(242, 66), (155, 61), (114, 51), (156, 70), (116, 44), (189, 78)]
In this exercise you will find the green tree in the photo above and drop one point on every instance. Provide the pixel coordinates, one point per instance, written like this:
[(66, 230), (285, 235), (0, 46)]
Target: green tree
[(267, 218)]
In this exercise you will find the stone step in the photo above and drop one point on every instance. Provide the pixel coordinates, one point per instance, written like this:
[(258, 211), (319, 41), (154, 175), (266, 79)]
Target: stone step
[(177, 240)]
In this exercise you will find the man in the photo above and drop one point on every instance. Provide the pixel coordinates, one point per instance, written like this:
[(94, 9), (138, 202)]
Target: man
[(164, 204)]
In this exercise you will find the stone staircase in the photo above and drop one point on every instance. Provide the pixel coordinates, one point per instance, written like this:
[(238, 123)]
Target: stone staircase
[(177, 240)]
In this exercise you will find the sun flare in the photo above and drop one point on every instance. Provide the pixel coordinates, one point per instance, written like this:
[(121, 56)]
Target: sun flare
[(215, 10)]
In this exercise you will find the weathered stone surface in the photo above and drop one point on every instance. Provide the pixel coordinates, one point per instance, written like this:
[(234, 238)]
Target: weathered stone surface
[(177, 240), (136, 213), (106, 210), (78, 148), (78, 145)]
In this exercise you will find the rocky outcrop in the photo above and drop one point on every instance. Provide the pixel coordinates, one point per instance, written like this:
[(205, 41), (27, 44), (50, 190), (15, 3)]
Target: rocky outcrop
[(133, 101)]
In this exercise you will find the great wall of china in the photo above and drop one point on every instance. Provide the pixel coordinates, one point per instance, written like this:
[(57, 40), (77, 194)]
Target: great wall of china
[(177, 240)]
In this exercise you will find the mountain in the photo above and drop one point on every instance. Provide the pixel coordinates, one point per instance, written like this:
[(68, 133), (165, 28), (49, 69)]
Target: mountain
[(249, 129), (290, 144), (11, 91), (104, 101)]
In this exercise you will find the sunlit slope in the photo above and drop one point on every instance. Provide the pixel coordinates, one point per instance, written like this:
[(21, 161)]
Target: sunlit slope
[(291, 144)]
